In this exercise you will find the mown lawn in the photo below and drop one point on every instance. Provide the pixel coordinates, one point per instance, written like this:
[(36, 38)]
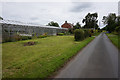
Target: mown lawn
[(40, 60), (115, 39)]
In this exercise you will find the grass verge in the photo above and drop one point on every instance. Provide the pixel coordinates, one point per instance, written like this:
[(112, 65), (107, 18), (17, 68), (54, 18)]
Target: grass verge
[(115, 39), (40, 60)]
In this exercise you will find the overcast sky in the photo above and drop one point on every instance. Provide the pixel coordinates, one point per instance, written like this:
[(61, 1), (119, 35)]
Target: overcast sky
[(44, 12)]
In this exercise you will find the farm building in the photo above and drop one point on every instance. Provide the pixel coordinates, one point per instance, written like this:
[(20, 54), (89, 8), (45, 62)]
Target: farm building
[(10, 27), (67, 25)]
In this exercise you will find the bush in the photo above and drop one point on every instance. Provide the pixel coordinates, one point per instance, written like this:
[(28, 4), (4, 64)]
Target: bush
[(60, 34), (15, 37), (79, 35), (86, 33), (26, 37), (70, 30), (29, 37), (117, 29), (34, 36), (11, 38), (6, 39), (67, 33), (42, 36), (91, 33)]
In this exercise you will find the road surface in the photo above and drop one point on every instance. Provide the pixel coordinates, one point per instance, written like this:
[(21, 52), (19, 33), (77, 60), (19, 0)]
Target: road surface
[(99, 59)]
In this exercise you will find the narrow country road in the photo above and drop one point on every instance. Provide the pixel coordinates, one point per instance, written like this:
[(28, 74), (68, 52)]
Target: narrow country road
[(99, 59)]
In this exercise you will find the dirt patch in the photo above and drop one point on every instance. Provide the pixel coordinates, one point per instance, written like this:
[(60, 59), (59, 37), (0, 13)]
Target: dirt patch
[(29, 43)]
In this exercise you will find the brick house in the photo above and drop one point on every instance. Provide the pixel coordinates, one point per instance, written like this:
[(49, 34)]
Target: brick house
[(67, 25)]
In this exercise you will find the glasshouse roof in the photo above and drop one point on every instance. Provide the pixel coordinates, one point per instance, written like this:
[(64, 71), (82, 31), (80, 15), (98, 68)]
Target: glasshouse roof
[(27, 24)]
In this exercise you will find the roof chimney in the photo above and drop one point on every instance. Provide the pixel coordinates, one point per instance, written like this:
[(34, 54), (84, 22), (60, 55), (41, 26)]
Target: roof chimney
[(65, 21)]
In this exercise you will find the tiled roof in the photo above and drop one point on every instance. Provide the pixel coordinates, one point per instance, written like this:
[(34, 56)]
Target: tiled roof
[(70, 25)]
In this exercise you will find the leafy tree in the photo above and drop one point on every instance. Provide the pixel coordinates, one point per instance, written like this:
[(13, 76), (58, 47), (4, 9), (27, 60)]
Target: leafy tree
[(53, 24), (1, 18), (104, 28), (117, 29), (118, 21), (111, 21), (91, 20), (77, 26)]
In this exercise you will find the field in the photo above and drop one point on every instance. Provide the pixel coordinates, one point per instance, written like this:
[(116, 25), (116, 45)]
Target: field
[(39, 60), (115, 39)]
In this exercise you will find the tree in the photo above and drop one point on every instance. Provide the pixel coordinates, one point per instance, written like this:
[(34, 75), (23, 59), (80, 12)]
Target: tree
[(91, 21), (117, 29), (104, 28), (77, 26), (1, 18), (118, 21), (53, 24), (111, 21)]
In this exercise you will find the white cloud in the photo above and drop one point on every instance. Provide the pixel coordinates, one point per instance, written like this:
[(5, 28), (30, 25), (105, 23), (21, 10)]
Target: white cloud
[(59, 0), (44, 12)]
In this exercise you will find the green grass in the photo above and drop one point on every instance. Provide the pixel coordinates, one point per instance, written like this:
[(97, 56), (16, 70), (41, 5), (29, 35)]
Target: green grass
[(115, 39), (40, 60)]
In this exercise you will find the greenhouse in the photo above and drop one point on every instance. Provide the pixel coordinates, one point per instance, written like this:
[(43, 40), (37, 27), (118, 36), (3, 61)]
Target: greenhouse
[(10, 27)]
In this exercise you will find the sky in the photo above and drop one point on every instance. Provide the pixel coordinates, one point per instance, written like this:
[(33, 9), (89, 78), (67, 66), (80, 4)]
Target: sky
[(44, 12)]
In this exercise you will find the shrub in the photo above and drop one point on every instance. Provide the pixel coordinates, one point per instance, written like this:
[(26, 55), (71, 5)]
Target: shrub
[(26, 37), (70, 30), (79, 35), (67, 33), (60, 34), (17, 37), (14, 38), (29, 37), (86, 33), (42, 36), (117, 29), (91, 32), (34, 35), (6, 39), (45, 34)]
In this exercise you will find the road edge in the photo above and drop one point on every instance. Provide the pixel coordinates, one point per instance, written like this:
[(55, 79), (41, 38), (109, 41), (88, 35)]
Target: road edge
[(68, 61)]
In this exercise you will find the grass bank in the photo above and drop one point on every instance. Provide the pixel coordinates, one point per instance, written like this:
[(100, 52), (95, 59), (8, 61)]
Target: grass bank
[(115, 39), (40, 60)]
